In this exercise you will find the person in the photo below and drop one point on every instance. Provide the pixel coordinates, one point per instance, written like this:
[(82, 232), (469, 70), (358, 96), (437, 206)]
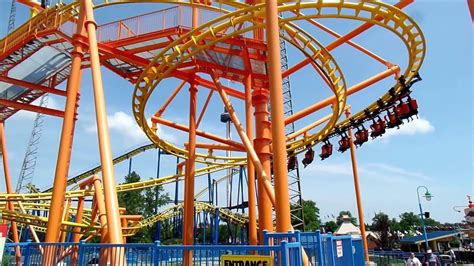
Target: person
[(452, 255), (431, 259), (412, 260)]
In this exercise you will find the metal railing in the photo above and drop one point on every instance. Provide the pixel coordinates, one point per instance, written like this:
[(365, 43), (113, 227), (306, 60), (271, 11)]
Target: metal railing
[(394, 257), (284, 254), (323, 249), (152, 22), (284, 248)]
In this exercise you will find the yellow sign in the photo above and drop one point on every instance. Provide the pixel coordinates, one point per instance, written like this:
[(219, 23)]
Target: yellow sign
[(246, 260)]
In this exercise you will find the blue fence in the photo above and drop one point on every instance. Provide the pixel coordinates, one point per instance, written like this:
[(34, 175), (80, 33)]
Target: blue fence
[(284, 248), (145, 254), (323, 249)]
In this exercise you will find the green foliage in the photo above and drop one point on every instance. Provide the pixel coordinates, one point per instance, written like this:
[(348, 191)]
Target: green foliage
[(431, 222), (226, 231), (330, 227), (8, 259), (409, 222), (339, 220), (455, 242), (132, 200), (386, 230), (145, 202), (310, 214)]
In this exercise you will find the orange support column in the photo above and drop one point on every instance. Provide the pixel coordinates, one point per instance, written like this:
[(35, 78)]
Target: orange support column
[(78, 219), (188, 226), (261, 174), (77, 230), (124, 222), (101, 209), (250, 167), (188, 223), (262, 148), (8, 185), (282, 205), (65, 145), (360, 210), (104, 232), (63, 234), (108, 174)]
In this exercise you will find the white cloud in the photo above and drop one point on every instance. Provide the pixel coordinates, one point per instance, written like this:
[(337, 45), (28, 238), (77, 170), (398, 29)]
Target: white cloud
[(324, 169), (125, 126), (377, 172), (384, 187), (417, 126), (391, 173)]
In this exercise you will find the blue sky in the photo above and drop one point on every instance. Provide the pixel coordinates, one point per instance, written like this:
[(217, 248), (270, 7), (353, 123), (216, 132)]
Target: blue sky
[(435, 150)]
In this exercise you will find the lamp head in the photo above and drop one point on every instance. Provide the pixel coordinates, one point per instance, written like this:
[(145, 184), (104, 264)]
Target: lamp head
[(428, 196)]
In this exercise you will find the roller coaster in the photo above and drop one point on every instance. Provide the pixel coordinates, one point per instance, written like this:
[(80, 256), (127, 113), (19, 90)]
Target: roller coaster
[(200, 44)]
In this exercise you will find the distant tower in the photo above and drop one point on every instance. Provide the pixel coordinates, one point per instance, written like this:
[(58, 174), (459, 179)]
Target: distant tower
[(11, 21), (29, 162)]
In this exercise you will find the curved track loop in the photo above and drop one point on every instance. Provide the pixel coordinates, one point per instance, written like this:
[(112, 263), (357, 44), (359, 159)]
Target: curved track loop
[(192, 43), (211, 33)]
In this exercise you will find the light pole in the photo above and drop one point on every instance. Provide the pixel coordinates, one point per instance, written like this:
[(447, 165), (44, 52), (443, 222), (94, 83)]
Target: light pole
[(428, 197)]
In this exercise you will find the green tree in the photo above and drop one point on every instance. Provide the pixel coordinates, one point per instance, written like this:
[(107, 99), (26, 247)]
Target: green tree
[(330, 227), (145, 202), (386, 230), (431, 222), (132, 200), (409, 221), (339, 220), (311, 215)]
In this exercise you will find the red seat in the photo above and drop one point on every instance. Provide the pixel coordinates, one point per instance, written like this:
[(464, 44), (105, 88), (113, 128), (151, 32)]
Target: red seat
[(378, 128), (344, 144), (393, 119), (308, 157), (413, 106), (403, 110), (326, 150), (361, 136), (291, 163)]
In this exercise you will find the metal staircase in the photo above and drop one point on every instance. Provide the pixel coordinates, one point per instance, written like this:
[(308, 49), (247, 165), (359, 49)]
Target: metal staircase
[(29, 162)]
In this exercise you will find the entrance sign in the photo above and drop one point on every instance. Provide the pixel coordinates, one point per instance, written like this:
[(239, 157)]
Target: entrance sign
[(246, 260)]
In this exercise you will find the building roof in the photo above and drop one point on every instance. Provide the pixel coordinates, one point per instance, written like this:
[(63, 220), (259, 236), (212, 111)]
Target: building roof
[(347, 228), (430, 236)]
